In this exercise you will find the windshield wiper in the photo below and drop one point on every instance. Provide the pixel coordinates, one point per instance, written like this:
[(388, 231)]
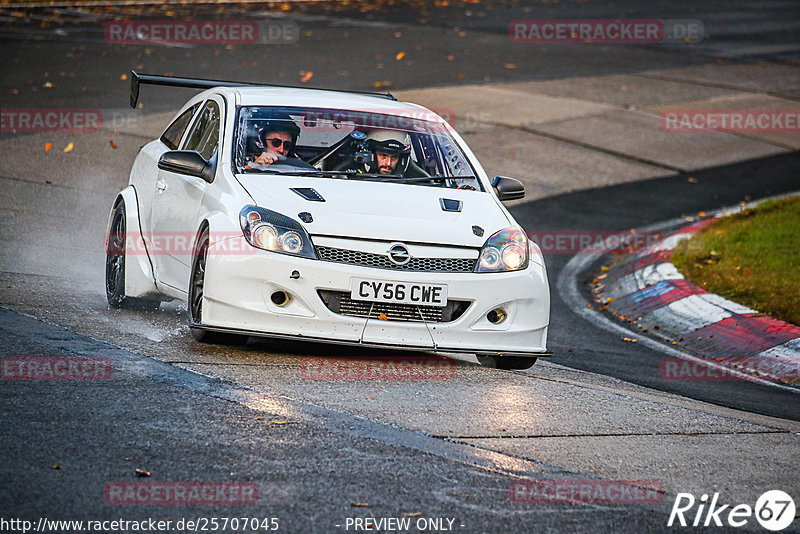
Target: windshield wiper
[(348, 174)]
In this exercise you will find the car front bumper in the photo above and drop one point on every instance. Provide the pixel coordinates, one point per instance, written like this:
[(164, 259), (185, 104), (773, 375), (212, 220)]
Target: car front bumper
[(238, 289)]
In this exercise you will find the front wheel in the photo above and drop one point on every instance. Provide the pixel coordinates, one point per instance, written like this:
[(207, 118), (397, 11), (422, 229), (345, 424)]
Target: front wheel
[(115, 267), (506, 362), (196, 287)]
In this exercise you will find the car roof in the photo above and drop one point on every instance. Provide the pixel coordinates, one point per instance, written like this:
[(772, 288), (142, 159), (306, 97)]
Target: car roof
[(317, 98)]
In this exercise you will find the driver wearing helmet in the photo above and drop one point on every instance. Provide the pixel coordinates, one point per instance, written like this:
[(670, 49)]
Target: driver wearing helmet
[(391, 155), (278, 138)]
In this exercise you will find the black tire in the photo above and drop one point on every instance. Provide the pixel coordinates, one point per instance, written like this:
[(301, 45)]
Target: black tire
[(115, 266), (508, 363), (196, 285)]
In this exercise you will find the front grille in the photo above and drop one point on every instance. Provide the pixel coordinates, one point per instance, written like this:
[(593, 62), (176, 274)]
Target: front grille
[(341, 303), (380, 261)]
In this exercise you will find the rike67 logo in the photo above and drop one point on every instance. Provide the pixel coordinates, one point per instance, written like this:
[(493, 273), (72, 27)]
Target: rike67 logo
[(774, 511)]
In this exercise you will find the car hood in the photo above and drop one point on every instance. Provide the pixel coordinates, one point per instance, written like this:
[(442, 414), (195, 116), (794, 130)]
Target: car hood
[(383, 211)]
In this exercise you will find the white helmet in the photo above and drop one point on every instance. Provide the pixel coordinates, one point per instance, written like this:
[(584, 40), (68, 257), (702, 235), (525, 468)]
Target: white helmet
[(391, 141)]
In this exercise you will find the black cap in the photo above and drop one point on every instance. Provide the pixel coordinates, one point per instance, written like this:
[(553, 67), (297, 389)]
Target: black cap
[(282, 123)]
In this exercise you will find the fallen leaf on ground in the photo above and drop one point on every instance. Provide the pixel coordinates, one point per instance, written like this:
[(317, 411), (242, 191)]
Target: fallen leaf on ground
[(307, 76), (629, 339), (123, 77), (47, 147), (69, 147), (359, 504), (113, 144), (56, 466), (141, 473), (400, 55)]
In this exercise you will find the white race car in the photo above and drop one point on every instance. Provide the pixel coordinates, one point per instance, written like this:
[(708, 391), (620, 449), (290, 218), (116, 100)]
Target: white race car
[(329, 216)]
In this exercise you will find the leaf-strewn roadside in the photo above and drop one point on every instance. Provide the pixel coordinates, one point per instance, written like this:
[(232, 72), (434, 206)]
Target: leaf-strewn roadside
[(752, 258)]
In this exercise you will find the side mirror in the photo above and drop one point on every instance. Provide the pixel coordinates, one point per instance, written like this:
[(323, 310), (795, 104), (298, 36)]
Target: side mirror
[(508, 188), (190, 163)]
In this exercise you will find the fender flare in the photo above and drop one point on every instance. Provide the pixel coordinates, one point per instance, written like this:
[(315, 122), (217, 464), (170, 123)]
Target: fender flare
[(221, 230), (139, 274)]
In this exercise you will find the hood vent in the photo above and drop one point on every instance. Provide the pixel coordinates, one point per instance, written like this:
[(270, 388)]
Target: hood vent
[(450, 204), (308, 193)]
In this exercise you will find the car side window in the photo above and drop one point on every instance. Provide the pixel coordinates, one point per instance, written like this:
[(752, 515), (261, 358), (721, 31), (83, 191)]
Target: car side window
[(174, 132), (205, 133)]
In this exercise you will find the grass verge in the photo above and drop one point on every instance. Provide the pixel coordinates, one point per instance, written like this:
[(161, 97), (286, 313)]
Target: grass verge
[(752, 258)]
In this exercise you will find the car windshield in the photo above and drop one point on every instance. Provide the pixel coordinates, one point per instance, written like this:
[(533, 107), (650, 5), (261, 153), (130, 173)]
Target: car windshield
[(354, 145)]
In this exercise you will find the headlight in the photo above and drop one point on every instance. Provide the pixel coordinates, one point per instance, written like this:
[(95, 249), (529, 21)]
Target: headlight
[(270, 230), (506, 250)]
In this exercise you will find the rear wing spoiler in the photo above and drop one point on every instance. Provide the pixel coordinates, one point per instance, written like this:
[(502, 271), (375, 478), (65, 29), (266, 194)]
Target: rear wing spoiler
[(197, 83)]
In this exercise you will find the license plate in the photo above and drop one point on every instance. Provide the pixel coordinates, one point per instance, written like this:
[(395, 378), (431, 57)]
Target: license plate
[(398, 292)]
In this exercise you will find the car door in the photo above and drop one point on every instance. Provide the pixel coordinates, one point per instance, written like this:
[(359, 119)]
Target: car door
[(177, 198)]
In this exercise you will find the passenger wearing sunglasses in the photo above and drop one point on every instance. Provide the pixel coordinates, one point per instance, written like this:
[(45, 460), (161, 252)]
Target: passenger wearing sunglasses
[(278, 138)]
